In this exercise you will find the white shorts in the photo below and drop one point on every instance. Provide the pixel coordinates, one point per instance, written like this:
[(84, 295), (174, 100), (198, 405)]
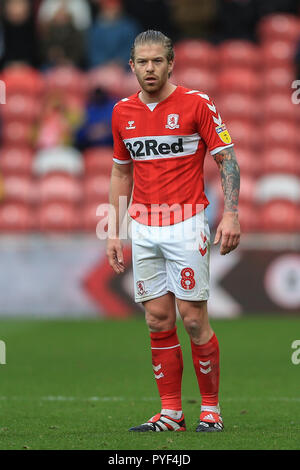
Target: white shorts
[(173, 258)]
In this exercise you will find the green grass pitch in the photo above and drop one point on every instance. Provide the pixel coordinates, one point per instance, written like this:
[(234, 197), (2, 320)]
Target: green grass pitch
[(73, 384)]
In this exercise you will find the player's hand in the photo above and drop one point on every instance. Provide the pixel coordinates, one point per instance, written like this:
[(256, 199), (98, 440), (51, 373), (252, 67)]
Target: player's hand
[(228, 232), (114, 251)]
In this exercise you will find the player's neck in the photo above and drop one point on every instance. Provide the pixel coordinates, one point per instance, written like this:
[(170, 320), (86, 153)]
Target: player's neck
[(158, 96)]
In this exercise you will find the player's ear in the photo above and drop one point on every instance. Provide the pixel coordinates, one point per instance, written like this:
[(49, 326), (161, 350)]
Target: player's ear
[(131, 63), (170, 67)]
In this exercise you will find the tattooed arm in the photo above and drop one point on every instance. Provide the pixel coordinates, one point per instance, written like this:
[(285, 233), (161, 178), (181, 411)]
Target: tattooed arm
[(228, 230)]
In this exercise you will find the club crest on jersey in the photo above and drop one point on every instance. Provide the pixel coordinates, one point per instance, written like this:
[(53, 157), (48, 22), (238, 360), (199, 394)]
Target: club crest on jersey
[(223, 134), (172, 121), (130, 125)]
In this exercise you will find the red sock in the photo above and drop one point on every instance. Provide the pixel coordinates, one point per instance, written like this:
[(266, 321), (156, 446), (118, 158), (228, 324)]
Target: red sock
[(206, 364), (167, 366)]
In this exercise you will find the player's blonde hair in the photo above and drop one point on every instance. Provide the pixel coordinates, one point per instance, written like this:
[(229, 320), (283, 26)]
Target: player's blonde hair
[(151, 36)]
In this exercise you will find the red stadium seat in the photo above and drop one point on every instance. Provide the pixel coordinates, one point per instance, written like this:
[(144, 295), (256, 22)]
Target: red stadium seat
[(247, 189), (278, 79), (98, 160), (196, 79), (249, 161), (239, 80), (16, 160), (21, 108), (277, 186), (67, 79), (279, 106), (58, 217), (279, 26), (59, 187), (234, 106), (248, 217), (244, 134), (16, 217), (194, 53), (22, 79), (279, 160), (108, 78), (279, 216), (96, 188), (239, 53), (17, 133), (90, 219), (280, 133), (278, 54), (129, 85), (19, 188)]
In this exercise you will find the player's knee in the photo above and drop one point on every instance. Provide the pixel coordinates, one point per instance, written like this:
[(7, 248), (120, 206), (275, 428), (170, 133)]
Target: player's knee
[(193, 325), (158, 320)]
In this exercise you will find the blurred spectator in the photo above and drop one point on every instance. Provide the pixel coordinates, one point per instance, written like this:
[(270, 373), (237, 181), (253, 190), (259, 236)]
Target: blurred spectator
[(95, 129), (111, 36), (266, 7), (19, 35), (236, 19), (153, 12), (194, 19), (78, 9), (55, 124), (61, 42)]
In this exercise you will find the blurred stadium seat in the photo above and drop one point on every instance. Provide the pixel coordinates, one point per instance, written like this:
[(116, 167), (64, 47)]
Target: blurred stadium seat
[(278, 79), (193, 53), (248, 217), (278, 186), (17, 133), (249, 161), (107, 77), (16, 160), (197, 79), (239, 53), (21, 107), (16, 217), (279, 106), (96, 188), (22, 79), (278, 53), (247, 189), (279, 216), (19, 188), (239, 80), (280, 160), (239, 106), (65, 159), (58, 217), (67, 79), (59, 187), (98, 160), (244, 134), (280, 133), (279, 26)]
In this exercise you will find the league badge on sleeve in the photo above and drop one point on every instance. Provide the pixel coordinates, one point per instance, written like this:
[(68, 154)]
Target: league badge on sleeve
[(223, 134)]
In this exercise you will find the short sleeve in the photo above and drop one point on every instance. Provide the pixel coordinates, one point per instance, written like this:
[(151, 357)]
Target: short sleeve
[(211, 128), (120, 154)]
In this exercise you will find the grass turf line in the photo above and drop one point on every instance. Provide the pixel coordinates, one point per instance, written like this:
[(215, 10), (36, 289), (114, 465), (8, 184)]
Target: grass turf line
[(72, 384)]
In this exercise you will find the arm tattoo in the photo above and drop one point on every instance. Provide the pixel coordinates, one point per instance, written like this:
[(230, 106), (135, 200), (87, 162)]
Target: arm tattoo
[(230, 178)]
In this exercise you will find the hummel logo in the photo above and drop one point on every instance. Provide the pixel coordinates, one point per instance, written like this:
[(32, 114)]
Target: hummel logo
[(130, 125), (206, 363), (156, 369)]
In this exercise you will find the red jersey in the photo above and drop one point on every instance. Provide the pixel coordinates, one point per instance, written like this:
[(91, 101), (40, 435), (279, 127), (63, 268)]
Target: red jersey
[(167, 146)]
